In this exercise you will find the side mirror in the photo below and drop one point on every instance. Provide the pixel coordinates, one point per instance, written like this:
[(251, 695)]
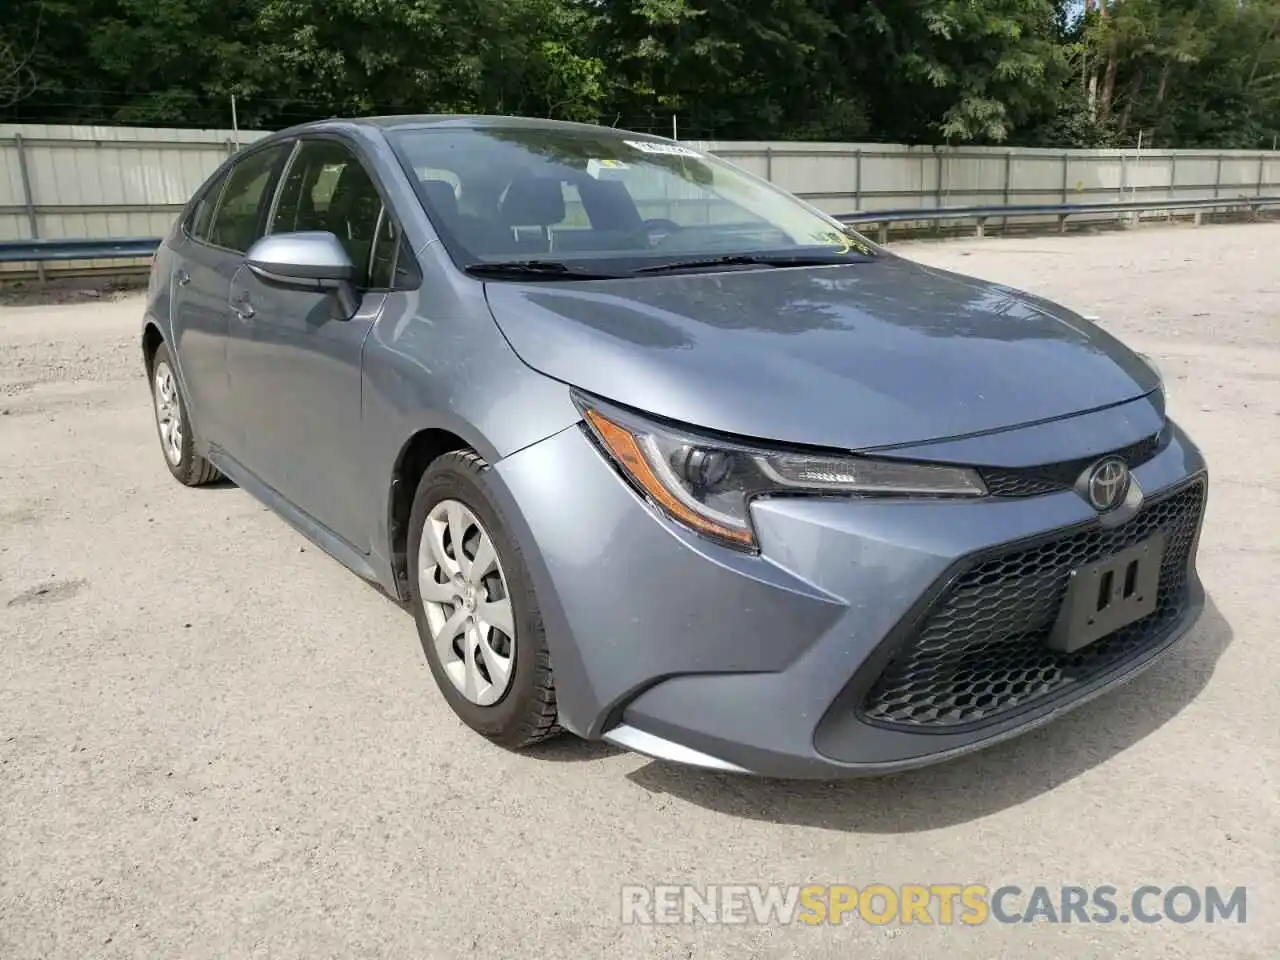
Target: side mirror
[(314, 260)]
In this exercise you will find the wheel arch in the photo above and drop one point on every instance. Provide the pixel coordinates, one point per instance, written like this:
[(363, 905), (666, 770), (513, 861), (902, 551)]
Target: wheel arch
[(416, 454), (578, 711), (152, 337)]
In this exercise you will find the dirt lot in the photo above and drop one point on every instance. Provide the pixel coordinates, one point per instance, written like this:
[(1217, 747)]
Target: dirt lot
[(216, 742)]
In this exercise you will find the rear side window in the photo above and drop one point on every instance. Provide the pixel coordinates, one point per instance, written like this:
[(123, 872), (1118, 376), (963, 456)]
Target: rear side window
[(242, 206)]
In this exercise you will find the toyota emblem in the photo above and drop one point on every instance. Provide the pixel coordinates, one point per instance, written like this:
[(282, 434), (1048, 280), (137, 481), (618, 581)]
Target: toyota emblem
[(1107, 484)]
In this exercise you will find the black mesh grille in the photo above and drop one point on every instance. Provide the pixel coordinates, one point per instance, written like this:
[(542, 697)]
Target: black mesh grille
[(1020, 483), (1055, 477), (980, 650)]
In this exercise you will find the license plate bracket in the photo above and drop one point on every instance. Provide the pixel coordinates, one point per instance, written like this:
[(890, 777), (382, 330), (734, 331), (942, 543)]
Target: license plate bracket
[(1109, 594)]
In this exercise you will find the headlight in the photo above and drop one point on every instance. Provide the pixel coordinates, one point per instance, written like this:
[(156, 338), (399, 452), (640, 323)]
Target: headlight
[(708, 484)]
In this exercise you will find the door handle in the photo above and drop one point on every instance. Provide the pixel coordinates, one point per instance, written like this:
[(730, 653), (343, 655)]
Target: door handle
[(243, 308), (183, 277)]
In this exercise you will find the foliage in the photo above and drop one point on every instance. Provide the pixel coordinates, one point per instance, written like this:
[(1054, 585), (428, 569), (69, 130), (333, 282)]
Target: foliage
[(1182, 72)]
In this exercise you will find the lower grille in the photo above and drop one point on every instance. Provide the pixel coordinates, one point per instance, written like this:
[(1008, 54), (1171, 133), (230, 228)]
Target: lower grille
[(980, 650)]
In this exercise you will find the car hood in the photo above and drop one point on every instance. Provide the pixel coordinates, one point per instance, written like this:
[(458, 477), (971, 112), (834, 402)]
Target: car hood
[(880, 353)]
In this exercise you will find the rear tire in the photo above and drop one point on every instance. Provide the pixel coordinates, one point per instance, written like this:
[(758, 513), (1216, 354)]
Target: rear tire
[(174, 425), (474, 605)]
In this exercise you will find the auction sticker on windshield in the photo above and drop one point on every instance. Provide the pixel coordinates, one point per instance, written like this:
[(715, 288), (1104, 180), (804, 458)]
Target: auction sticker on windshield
[(667, 149)]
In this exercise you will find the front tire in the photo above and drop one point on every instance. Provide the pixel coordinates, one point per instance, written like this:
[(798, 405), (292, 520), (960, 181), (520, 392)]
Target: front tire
[(474, 605), (174, 425)]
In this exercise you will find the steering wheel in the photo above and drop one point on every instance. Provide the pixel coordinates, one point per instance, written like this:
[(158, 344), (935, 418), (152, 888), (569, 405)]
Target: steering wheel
[(648, 227)]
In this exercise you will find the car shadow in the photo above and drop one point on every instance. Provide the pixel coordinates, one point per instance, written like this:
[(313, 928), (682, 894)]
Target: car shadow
[(571, 749), (976, 785)]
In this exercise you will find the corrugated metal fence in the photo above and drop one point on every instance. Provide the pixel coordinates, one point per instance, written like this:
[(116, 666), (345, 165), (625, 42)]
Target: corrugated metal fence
[(67, 181), (842, 178), (72, 181)]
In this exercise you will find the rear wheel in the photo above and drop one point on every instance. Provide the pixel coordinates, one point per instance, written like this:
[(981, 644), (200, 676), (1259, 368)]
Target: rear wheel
[(477, 616), (172, 424)]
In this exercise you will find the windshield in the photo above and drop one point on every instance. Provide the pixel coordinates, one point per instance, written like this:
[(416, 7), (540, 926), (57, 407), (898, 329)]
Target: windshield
[(596, 202)]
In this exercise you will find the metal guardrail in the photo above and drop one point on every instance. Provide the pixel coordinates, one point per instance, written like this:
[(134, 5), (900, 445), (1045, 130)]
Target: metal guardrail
[(883, 218), (45, 251)]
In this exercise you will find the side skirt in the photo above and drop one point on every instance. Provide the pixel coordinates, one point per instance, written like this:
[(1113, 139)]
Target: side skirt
[(311, 528)]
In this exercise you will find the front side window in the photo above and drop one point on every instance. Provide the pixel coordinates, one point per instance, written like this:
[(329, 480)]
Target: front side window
[(606, 200), (327, 188), (242, 206)]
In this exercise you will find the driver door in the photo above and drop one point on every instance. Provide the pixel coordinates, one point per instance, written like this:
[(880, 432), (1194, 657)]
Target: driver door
[(295, 361)]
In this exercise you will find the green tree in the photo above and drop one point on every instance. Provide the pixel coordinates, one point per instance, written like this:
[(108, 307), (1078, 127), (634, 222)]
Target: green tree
[(19, 41), (1184, 72), (750, 68), (959, 71), (423, 56)]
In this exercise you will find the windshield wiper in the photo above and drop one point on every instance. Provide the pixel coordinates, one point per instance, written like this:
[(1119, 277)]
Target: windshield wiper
[(535, 270), (758, 259)]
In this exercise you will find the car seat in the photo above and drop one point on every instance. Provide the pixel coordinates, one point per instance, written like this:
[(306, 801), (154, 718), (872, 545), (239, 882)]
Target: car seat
[(353, 215), (532, 202), (481, 237)]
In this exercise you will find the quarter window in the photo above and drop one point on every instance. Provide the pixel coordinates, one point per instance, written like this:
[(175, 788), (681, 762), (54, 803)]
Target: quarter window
[(202, 213), (382, 263)]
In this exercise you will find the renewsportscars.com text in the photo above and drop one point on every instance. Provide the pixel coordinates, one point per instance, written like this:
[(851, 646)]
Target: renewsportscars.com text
[(939, 903)]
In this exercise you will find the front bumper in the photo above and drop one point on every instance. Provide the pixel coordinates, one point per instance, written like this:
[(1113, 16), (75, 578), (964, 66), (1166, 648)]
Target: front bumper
[(674, 647)]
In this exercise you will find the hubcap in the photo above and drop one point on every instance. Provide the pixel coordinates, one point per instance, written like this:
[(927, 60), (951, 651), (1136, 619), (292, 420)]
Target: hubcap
[(464, 593), (168, 413)]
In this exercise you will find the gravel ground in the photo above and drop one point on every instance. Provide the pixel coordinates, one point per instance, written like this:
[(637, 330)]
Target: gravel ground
[(216, 742)]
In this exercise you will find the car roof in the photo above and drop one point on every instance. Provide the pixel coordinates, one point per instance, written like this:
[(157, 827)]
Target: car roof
[(453, 121)]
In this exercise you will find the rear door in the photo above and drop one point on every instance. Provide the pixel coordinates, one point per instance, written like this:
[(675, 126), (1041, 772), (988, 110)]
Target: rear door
[(227, 215), (201, 275), (295, 362)]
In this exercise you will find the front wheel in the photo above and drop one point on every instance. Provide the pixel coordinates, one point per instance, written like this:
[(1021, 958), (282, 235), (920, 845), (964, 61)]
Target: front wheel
[(174, 425), (474, 605)]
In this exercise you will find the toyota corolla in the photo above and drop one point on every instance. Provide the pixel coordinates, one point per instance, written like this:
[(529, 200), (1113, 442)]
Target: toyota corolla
[(657, 453)]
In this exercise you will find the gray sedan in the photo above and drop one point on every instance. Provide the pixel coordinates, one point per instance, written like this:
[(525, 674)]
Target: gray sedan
[(657, 453)]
